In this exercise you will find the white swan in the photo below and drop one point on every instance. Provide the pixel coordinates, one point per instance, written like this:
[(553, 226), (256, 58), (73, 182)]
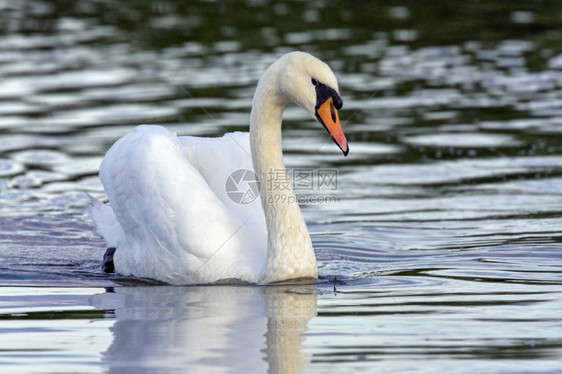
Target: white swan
[(171, 218)]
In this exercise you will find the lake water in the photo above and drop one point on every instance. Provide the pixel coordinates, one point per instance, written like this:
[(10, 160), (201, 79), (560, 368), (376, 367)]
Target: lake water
[(439, 246)]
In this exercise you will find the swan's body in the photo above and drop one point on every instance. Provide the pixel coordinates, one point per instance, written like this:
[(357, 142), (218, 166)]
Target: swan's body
[(171, 218)]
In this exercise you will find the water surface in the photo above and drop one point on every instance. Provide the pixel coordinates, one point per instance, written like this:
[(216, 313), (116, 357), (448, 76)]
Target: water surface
[(438, 247)]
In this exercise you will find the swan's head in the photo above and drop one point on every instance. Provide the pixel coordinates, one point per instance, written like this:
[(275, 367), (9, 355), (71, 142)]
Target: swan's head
[(311, 84)]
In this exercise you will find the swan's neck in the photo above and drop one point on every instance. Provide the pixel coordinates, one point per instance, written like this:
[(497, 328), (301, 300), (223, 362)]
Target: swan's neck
[(290, 254)]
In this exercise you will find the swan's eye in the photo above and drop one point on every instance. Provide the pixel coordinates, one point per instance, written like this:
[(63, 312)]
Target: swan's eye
[(314, 82)]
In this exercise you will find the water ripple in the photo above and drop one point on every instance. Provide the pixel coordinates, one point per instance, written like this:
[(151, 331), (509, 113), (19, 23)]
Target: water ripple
[(442, 241)]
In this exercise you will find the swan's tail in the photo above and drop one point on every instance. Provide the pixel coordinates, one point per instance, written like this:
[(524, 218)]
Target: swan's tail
[(106, 222)]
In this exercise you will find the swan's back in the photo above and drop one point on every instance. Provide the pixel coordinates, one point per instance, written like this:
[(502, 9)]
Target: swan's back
[(178, 223), (214, 157)]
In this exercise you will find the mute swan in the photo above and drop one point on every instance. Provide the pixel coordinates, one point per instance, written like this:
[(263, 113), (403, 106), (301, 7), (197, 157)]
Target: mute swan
[(171, 217)]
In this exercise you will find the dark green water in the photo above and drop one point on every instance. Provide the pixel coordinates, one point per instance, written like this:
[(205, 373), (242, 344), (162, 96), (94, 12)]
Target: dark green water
[(439, 248)]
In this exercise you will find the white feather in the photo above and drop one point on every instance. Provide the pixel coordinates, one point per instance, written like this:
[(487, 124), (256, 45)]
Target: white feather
[(171, 218)]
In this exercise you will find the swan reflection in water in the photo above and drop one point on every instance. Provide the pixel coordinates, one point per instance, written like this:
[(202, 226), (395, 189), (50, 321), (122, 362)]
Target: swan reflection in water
[(238, 329)]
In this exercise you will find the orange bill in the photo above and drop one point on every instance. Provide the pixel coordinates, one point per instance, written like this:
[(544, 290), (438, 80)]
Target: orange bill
[(328, 116)]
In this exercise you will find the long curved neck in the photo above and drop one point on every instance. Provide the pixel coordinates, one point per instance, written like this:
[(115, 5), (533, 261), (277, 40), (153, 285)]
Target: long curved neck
[(289, 254)]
